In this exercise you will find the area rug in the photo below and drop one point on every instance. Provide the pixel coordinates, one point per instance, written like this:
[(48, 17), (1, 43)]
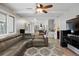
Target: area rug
[(44, 51)]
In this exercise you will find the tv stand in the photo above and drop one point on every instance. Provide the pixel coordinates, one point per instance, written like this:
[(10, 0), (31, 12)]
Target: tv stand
[(73, 40), (68, 38)]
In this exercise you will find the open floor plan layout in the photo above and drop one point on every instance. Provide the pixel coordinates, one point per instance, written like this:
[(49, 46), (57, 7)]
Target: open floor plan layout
[(39, 29)]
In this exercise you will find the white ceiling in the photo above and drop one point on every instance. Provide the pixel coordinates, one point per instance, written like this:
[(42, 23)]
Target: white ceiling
[(28, 9)]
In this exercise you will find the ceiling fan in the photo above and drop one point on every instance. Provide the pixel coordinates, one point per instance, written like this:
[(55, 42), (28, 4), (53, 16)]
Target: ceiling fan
[(41, 8)]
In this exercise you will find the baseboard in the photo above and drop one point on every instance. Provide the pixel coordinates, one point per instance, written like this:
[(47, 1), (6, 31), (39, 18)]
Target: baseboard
[(73, 49)]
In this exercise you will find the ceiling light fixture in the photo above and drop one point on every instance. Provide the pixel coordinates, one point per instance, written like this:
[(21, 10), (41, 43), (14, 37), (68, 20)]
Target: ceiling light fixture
[(41, 8)]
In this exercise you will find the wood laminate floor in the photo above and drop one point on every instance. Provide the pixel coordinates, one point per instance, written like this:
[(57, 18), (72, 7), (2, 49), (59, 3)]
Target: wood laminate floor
[(65, 51), (54, 47)]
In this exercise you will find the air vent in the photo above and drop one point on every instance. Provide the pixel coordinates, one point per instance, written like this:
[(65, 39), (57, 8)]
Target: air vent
[(29, 8)]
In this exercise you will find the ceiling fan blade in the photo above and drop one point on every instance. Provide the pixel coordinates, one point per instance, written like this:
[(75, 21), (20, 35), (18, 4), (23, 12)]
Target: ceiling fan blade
[(48, 6), (45, 11), (39, 6)]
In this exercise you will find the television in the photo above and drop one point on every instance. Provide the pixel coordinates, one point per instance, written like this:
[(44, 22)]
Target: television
[(73, 26), (22, 31)]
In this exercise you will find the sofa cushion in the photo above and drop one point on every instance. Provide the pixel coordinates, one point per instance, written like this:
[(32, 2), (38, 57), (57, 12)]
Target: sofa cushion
[(6, 44), (39, 36), (38, 40), (7, 37), (15, 49)]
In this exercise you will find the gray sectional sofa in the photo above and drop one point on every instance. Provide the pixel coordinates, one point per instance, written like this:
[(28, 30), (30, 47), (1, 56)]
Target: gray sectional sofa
[(13, 45), (16, 44)]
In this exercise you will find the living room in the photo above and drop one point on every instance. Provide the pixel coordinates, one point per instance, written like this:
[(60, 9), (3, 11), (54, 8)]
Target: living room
[(26, 22)]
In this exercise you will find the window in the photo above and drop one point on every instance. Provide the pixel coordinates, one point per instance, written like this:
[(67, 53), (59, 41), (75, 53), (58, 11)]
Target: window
[(7, 23), (51, 25), (3, 23), (10, 24)]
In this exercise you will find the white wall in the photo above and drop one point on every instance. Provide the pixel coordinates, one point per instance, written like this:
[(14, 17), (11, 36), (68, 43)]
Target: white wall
[(6, 10), (43, 20), (62, 23), (66, 16), (19, 21), (36, 21)]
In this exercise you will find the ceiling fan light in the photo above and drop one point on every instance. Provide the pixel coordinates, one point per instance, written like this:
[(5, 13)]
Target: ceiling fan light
[(39, 10), (38, 5)]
